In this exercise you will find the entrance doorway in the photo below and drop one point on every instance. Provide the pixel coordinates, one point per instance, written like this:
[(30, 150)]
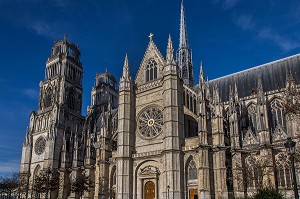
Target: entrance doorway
[(149, 190), (193, 194)]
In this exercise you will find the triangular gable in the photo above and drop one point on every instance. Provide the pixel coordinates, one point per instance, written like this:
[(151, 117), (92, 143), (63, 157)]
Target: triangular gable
[(249, 139), (152, 52), (279, 134)]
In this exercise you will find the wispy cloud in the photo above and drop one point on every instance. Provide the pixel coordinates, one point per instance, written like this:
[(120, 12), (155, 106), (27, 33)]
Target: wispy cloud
[(9, 167), (32, 93), (262, 30), (43, 28), (227, 4), (284, 43), (244, 21)]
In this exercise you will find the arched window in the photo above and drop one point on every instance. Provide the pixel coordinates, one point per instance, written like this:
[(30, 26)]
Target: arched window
[(47, 99), (151, 70), (283, 167), (278, 116), (252, 176), (252, 117), (192, 171), (71, 101)]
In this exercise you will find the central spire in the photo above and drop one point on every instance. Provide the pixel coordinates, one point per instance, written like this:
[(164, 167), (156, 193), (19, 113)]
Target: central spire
[(183, 41), (184, 57)]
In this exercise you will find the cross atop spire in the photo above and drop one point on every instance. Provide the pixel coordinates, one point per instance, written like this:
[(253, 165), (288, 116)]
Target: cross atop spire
[(150, 36)]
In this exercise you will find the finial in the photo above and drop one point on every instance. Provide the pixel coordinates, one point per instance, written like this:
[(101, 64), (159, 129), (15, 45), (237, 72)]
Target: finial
[(65, 37), (126, 74), (150, 36), (170, 51)]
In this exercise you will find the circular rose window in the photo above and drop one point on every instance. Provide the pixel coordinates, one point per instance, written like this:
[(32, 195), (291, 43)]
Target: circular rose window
[(150, 122), (39, 146)]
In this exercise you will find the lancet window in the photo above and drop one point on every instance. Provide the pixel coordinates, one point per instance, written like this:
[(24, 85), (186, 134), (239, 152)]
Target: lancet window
[(278, 116), (252, 176), (192, 170), (71, 101), (283, 167), (252, 117), (47, 99), (151, 70)]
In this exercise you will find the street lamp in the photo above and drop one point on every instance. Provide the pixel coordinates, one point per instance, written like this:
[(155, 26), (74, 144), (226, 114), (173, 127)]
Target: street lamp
[(290, 147), (48, 173)]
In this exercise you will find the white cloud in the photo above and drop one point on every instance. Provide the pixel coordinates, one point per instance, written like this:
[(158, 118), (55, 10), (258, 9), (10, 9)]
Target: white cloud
[(227, 4), (44, 29), (244, 21), (284, 43), (32, 93)]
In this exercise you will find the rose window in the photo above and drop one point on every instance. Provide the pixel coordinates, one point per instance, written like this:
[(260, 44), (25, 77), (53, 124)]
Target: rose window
[(39, 146), (150, 122)]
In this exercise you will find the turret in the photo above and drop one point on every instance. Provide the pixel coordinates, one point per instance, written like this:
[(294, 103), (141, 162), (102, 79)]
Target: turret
[(126, 114)]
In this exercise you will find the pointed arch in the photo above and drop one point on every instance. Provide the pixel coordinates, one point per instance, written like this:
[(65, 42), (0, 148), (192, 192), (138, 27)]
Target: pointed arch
[(152, 53), (251, 108), (277, 113), (151, 70), (191, 169), (283, 169), (71, 100)]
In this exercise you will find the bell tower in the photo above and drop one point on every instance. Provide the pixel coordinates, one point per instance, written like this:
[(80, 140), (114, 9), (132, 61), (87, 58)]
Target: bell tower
[(58, 120)]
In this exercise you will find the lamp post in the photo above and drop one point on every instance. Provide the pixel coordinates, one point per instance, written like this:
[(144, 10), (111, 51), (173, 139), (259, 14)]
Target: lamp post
[(168, 189), (48, 173), (290, 147)]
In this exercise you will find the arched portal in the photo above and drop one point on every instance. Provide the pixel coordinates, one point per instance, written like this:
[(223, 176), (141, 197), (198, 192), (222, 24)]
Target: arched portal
[(149, 190)]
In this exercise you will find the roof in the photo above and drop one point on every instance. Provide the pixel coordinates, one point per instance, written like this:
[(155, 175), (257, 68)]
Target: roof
[(273, 77)]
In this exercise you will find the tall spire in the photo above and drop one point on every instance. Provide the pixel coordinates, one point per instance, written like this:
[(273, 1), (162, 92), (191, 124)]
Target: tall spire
[(183, 42), (184, 57)]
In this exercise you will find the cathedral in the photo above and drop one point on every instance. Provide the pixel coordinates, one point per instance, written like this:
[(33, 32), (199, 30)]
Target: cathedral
[(159, 135)]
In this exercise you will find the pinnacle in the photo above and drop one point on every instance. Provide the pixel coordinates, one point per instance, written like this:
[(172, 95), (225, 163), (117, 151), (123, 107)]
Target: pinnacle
[(125, 74), (170, 51)]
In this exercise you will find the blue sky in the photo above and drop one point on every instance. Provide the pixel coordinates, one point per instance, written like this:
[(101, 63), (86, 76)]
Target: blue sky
[(226, 35)]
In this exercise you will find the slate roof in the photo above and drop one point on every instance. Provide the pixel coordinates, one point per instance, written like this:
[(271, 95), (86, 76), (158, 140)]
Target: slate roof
[(273, 77)]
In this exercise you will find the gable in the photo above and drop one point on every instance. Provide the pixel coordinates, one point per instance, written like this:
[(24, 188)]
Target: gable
[(151, 57)]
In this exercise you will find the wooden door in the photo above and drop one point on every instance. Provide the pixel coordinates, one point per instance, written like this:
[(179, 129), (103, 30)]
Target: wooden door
[(193, 194), (149, 190)]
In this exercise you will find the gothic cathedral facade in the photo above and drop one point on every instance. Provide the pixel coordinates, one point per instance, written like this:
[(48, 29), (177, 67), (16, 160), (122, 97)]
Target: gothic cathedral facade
[(160, 135)]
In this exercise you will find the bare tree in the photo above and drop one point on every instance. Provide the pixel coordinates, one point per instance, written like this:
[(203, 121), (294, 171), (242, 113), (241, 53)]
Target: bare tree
[(254, 172), (45, 181), (81, 184), (9, 185)]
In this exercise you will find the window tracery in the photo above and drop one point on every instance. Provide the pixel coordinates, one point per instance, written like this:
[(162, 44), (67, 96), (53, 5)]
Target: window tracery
[(192, 170), (151, 70), (150, 122), (47, 98), (278, 116), (252, 117), (283, 168), (252, 163), (71, 100)]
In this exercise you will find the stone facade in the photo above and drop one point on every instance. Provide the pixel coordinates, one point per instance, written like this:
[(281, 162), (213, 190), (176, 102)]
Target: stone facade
[(159, 135)]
